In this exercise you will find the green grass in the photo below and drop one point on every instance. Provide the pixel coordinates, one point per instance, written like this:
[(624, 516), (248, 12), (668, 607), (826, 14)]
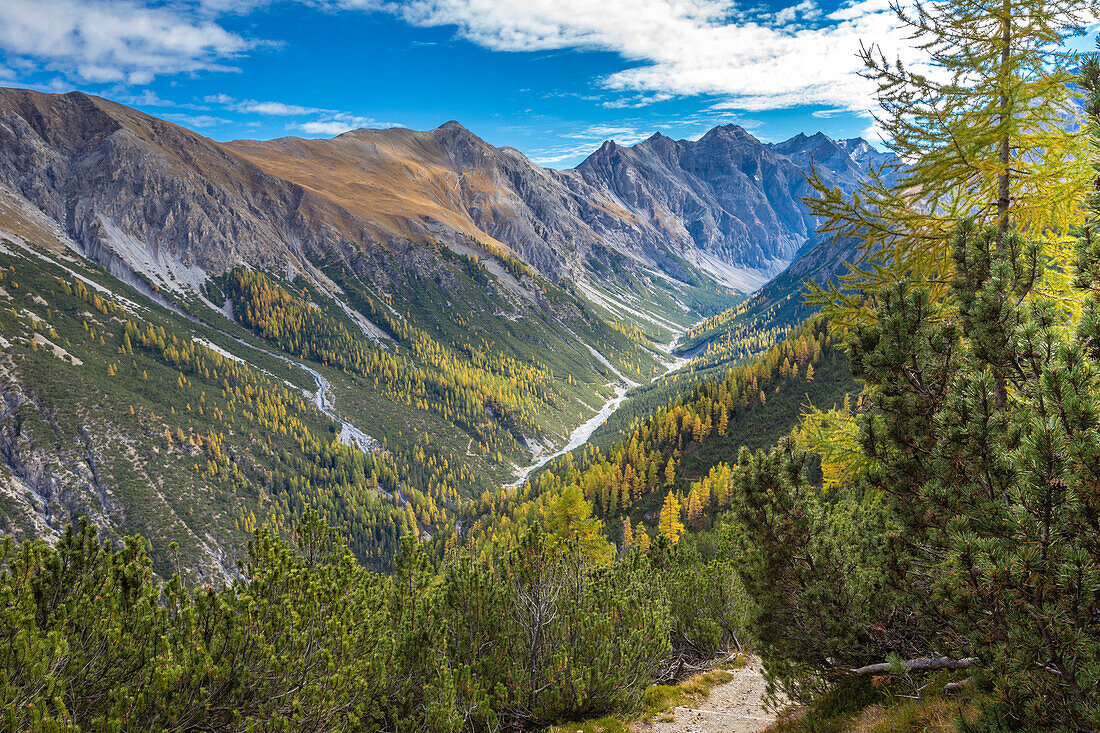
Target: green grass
[(858, 706), (603, 725)]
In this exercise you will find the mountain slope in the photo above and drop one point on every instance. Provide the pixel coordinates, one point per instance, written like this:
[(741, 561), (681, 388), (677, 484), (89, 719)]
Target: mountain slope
[(383, 325), (731, 203)]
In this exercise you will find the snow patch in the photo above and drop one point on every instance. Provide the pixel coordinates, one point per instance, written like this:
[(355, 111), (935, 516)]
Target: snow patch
[(214, 347)]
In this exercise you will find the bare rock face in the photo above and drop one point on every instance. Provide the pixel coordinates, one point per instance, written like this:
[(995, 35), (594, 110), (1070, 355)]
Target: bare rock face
[(136, 193), (153, 201), (726, 194), (51, 484)]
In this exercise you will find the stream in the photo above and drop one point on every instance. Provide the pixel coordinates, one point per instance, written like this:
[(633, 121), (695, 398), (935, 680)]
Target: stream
[(352, 436), (581, 434), (349, 434)]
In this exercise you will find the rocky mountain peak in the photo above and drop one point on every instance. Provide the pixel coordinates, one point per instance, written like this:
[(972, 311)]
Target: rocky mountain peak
[(730, 130), (454, 127), (69, 121), (864, 153), (466, 149)]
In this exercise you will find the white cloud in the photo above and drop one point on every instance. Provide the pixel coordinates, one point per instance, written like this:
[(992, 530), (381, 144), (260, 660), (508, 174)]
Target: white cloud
[(807, 10), (329, 127), (149, 98), (223, 99), (198, 121), (277, 109), (551, 157), (875, 134), (638, 101), (690, 47), (337, 123), (619, 133), (117, 41), (588, 140), (325, 122)]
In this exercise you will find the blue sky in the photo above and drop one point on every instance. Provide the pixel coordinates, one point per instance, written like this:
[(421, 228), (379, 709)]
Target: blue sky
[(553, 78)]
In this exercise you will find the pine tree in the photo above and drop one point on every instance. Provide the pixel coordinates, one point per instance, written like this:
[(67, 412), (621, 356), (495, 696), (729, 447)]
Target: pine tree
[(570, 524), (695, 509)]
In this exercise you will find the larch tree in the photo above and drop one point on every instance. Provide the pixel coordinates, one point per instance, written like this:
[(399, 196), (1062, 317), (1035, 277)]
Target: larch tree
[(669, 524), (986, 128)]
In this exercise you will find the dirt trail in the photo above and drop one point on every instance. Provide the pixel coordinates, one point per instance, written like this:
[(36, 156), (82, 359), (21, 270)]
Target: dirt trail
[(733, 707)]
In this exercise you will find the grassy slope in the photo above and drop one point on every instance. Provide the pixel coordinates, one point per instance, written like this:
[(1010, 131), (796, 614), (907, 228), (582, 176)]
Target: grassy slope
[(888, 704)]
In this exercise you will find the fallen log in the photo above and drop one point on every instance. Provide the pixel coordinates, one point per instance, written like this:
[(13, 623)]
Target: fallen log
[(956, 686), (921, 664)]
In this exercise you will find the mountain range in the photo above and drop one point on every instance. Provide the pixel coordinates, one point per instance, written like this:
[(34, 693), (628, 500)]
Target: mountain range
[(144, 196), (200, 335)]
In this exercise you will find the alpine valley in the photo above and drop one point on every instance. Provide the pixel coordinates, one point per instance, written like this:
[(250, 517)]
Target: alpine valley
[(389, 326)]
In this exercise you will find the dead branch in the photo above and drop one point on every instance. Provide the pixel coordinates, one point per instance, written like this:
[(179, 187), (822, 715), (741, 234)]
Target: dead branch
[(921, 664), (956, 686)]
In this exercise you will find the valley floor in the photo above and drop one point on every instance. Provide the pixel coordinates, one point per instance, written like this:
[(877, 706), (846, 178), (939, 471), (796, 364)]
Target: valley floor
[(585, 431), (732, 707)]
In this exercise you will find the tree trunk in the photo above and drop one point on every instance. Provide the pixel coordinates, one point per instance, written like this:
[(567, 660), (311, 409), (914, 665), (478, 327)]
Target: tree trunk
[(1005, 152)]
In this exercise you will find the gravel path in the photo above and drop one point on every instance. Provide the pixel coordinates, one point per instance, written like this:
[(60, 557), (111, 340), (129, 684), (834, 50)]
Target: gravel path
[(733, 707)]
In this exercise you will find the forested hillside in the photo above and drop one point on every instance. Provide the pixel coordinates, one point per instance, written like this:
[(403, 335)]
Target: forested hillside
[(743, 332), (447, 308), (677, 455)]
